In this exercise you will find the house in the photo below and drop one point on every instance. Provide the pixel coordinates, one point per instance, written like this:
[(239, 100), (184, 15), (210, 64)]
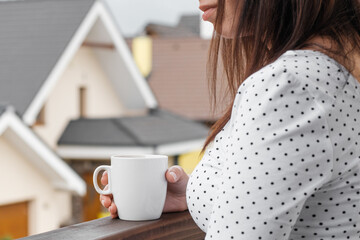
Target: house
[(188, 26), (36, 184), (69, 74), (178, 75)]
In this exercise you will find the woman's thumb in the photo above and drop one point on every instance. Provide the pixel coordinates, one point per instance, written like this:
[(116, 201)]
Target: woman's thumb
[(174, 173)]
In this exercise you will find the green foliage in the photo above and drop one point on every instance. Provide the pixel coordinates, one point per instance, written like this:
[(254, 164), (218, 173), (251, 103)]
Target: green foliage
[(6, 237)]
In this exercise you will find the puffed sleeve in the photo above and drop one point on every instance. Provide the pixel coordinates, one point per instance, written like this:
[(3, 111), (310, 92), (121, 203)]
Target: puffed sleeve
[(278, 155), (204, 181)]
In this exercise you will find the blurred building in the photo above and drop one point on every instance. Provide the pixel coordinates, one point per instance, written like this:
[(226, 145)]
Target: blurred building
[(36, 185), (71, 82), (178, 62), (188, 26), (178, 77)]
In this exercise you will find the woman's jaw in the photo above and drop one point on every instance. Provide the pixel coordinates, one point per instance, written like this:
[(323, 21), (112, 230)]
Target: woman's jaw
[(210, 8)]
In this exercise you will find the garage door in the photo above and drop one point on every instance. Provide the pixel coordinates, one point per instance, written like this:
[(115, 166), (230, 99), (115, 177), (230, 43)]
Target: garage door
[(14, 220)]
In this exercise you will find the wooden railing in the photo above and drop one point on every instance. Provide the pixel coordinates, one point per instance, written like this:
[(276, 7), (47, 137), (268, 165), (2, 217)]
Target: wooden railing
[(177, 226)]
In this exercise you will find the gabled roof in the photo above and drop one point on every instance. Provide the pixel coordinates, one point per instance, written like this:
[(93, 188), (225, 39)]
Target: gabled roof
[(151, 132), (190, 22), (59, 174), (34, 34), (188, 26), (39, 38)]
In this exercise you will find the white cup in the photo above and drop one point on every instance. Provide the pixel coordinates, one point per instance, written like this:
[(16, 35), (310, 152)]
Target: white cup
[(138, 185)]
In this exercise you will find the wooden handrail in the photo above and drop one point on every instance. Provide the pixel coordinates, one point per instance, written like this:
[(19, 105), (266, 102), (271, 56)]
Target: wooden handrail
[(177, 226)]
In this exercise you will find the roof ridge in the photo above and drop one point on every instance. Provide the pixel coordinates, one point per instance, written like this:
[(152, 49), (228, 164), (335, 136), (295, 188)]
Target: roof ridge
[(117, 122)]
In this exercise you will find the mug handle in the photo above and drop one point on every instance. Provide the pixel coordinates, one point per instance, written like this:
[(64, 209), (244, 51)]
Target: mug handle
[(96, 172)]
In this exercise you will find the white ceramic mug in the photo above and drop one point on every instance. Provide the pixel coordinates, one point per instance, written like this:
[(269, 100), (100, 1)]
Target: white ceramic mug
[(138, 185)]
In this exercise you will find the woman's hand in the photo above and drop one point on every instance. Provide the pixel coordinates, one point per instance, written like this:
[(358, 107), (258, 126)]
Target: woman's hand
[(175, 197), (107, 200), (176, 190)]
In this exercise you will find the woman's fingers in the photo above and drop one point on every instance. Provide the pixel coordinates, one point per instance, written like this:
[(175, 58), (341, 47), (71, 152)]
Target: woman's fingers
[(113, 210), (174, 174), (105, 200), (104, 178), (176, 191)]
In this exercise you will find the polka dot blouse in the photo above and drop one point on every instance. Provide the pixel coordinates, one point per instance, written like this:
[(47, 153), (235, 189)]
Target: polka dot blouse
[(286, 165)]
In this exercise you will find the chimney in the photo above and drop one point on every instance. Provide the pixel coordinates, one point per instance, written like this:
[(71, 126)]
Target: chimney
[(142, 52)]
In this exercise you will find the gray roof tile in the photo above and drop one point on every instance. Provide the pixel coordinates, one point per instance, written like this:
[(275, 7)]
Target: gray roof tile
[(95, 131), (2, 109), (188, 26), (34, 33), (156, 128), (191, 22)]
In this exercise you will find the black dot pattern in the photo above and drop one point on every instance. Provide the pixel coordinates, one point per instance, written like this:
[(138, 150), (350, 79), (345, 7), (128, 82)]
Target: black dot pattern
[(286, 165)]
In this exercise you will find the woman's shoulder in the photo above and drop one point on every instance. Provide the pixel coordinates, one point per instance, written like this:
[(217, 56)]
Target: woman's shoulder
[(300, 69), (305, 64)]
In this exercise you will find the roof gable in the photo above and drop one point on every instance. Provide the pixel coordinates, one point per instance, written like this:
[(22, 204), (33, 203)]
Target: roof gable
[(41, 157), (53, 33), (33, 36)]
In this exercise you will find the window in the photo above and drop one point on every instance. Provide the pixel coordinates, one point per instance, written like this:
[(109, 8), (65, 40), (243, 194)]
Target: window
[(82, 101), (40, 118)]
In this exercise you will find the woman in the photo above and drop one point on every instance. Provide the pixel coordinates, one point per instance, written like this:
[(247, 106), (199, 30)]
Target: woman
[(283, 161)]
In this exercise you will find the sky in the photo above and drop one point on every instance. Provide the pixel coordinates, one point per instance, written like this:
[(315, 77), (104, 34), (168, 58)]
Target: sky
[(133, 15)]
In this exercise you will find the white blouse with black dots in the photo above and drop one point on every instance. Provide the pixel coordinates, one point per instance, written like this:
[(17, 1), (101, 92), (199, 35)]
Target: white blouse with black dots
[(286, 165)]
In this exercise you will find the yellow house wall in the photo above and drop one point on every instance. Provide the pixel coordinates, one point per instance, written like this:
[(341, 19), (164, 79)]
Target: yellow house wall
[(63, 103), (22, 182)]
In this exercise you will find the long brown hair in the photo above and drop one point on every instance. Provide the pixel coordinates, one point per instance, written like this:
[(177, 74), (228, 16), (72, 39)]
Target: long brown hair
[(268, 28)]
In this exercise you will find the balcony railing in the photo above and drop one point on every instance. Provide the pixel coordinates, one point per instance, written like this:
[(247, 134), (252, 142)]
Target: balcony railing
[(170, 226)]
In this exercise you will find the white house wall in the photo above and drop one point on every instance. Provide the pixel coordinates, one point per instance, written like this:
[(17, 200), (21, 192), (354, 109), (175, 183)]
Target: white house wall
[(99, 33), (64, 210), (26, 184), (63, 103), (124, 82)]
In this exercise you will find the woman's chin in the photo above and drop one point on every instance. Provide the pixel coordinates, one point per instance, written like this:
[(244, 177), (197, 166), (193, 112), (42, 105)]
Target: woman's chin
[(225, 31)]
